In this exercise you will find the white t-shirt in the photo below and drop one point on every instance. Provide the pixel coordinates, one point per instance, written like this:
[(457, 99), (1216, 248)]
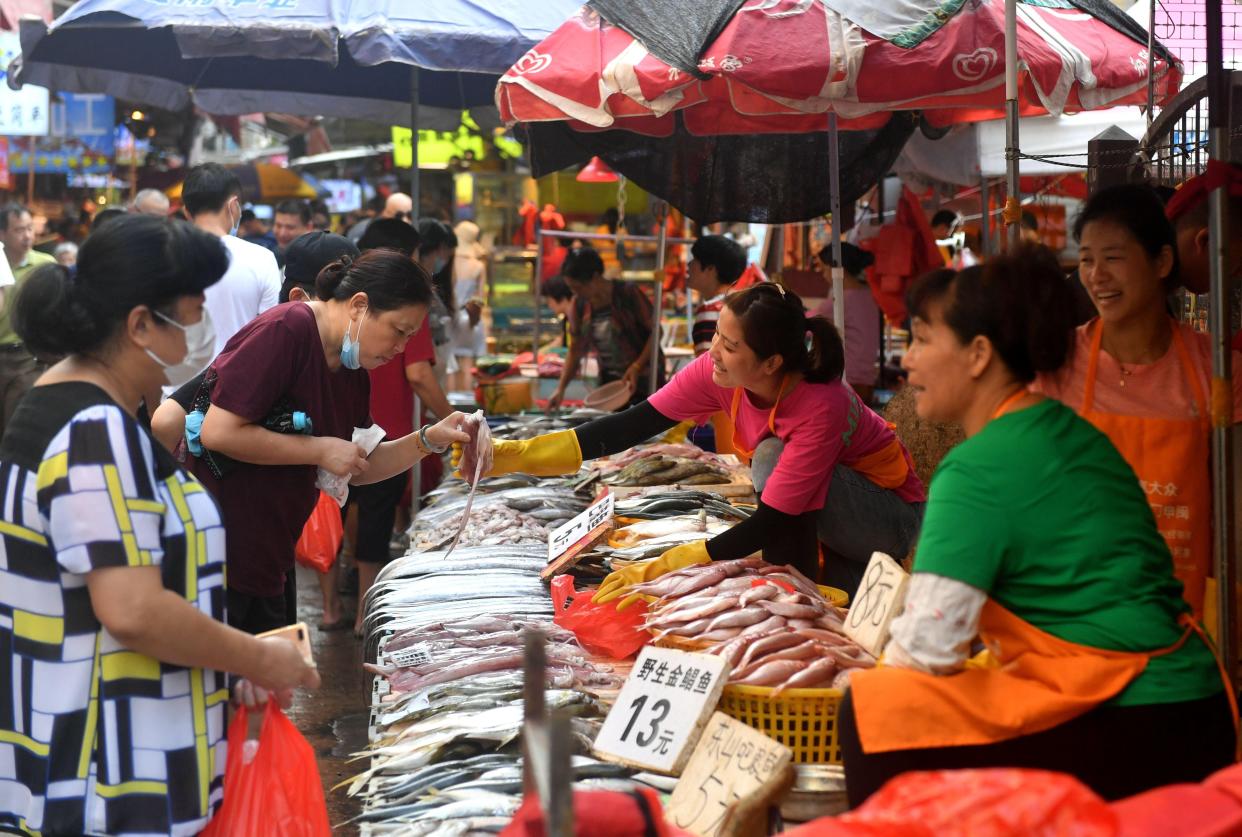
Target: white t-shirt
[(249, 287), (6, 272)]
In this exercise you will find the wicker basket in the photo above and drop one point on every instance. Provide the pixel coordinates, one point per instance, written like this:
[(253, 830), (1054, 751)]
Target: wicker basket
[(804, 720)]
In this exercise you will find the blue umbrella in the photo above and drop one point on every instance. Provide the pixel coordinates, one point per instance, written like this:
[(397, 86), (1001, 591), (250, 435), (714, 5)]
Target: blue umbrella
[(349, 58)]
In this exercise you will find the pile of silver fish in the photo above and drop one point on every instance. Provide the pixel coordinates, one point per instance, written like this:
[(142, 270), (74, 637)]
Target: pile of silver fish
[(530, 426), (445, 633), (656, 504), (527, 512), (771, 623)]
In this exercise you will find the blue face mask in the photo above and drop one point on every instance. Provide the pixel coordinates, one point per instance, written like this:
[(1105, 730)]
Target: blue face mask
[(351, 345), (440, 263)]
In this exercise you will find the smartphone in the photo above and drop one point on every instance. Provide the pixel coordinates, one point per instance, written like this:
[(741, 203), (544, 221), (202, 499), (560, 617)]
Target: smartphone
[(298, 634)]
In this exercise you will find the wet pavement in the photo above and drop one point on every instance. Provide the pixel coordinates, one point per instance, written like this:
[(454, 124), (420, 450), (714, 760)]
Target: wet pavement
[(334, 718)]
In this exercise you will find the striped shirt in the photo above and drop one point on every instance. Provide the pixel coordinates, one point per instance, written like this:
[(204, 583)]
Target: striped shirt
[(96, 738), (704, 327)]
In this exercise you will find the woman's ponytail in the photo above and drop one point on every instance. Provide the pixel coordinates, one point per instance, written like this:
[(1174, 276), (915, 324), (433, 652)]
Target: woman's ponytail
[(330, 277), (50, 316), (825, 359)]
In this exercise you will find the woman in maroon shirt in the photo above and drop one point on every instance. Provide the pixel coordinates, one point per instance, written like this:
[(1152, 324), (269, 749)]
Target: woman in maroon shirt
[(311, 357)]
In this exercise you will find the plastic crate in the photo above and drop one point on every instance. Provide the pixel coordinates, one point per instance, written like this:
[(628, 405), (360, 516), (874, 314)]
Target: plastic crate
[(835, 596), (804, 720)]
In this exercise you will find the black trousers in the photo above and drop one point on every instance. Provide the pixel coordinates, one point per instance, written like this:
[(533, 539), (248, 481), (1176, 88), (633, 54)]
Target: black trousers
[(377, 512), (1117, 751), (258, 614)]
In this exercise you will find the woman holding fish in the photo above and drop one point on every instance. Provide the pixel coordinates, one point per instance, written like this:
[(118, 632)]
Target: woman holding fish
[(827, 468), (312, 357), (1039, 541)]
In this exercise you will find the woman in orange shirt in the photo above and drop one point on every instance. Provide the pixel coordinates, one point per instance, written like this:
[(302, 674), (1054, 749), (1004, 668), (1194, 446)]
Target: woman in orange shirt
[(1142, 377)]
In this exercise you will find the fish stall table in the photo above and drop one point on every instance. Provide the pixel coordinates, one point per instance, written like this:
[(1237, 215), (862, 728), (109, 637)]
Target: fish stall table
[(444, 637)]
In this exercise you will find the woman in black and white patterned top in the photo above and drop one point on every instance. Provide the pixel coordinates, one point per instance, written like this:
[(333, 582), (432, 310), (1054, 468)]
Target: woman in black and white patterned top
[(112, 598)]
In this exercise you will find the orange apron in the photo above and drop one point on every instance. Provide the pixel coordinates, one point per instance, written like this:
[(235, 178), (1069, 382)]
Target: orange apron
[(887, 467), (1027, 681), (1032, 681), (1171, 458)]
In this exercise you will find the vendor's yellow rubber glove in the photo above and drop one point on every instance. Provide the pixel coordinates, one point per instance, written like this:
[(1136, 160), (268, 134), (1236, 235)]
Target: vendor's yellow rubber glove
[(550, 455), (677, 558)]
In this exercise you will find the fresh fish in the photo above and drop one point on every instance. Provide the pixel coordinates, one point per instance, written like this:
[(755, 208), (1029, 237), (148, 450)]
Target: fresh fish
[(773, 673), (818, 673)]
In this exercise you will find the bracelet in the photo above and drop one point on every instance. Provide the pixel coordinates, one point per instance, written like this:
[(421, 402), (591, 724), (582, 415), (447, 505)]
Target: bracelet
[(427, 446)]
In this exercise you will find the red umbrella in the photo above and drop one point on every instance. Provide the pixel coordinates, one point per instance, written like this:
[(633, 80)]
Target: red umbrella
[(780, 65)]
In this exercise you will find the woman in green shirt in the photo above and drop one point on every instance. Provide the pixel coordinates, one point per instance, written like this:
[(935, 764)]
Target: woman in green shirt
[(1038, 539)]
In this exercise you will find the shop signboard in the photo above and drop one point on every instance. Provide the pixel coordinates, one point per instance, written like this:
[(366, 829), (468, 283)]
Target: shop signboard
[(662, 709), (23, 113), (81, 138), (731, 764)]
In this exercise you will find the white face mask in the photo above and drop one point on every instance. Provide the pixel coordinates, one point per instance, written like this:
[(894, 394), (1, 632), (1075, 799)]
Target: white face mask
[(200, 349)]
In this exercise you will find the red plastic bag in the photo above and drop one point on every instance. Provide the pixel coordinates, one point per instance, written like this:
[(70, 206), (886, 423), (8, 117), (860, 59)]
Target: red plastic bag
[(321, 536), (998, 802), (600, 814), (1210, 809), (278, 792), (600, 628)]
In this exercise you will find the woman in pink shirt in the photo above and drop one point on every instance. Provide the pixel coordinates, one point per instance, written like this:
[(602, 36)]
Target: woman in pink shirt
[(827, 468)]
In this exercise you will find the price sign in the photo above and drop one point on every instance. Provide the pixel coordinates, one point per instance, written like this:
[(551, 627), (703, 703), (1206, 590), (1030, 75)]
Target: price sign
[(661, 709), (879, 599), (731, 763), (414, 655), (563, 537)]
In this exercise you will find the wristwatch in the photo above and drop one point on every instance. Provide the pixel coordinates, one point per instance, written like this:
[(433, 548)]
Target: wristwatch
[(427, 446)]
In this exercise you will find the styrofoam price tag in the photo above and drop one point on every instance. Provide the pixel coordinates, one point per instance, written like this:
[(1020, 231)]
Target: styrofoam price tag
[(563, 537), (731, 762), (661, 709), (879, 599), (414, 655)]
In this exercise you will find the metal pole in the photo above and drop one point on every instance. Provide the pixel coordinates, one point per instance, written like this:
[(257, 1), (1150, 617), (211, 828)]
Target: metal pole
[(661, 214), (1014, 198), (1151, 63), (416, 472), (834, 183), (985, 231), (1218, 323), (538, 302), (685, 232), (415, 190)]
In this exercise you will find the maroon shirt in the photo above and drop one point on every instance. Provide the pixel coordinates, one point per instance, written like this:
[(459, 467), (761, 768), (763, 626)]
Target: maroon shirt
[(277, 355)]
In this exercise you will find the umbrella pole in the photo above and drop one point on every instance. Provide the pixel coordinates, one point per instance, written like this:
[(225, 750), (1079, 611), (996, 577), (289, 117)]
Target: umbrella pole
[(834, 183), (415, 191), (1013, 201), (661, 237), (416, 472), (1224, 522)]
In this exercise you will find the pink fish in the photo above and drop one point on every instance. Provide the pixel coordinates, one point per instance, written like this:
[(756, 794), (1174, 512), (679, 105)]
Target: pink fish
[(770, 674), (790, 610), (758, 594), (775, 642), (816, 674), (808, 651), (743, 618)]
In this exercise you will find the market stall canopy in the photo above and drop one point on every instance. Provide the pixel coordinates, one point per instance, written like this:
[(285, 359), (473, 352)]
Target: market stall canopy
[(349, 58), (642, 83), (265, 183), (1051, 145)]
